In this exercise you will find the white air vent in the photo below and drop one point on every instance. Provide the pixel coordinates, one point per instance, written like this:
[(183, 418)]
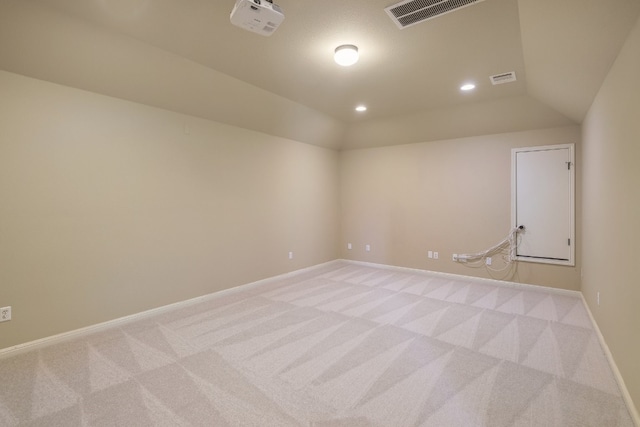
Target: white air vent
[(411, 12), (499, 79)]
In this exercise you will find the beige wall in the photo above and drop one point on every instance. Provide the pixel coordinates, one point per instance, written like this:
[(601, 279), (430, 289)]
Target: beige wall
[(611, 134), (450, 196), (109, 208)]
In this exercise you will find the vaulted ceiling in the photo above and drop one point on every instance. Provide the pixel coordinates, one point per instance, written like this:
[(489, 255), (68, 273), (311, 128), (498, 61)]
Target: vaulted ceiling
[(186, 56)]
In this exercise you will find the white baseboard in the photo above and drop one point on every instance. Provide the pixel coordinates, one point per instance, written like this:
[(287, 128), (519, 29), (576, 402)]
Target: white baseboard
[(78, 333), (465, 278), (81, 332), (633, 411)]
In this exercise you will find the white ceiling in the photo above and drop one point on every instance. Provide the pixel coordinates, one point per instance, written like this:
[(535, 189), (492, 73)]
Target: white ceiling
[(186, 56)]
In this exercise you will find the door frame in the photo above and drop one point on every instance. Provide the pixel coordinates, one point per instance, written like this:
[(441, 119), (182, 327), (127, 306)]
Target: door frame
[(572, 203)]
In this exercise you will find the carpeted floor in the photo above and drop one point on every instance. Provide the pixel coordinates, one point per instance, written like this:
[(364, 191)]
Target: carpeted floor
[(341, 345)]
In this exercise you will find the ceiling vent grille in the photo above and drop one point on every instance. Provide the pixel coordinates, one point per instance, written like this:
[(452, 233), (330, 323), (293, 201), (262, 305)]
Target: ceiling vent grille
[(499, 79), (411, 12)]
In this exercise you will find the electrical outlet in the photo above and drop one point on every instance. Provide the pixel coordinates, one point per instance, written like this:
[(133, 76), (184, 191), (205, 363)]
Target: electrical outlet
[(349, 246), (435, 255), (487, 261), (290, 255), (5, 314), (458, 258), (367, 248)]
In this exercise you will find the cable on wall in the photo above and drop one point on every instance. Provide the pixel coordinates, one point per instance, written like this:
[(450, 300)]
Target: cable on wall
[(507, 248)]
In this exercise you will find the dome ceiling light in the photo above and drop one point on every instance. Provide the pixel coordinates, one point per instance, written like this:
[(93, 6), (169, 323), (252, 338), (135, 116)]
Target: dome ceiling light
[(346, 55)]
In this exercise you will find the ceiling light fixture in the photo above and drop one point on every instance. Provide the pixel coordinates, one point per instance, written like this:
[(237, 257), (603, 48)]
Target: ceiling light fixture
[(346, 55), (467, 87), (361, 108)]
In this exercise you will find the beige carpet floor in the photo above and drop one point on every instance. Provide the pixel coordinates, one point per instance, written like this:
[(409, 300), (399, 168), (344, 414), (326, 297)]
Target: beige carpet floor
[(341, 345)]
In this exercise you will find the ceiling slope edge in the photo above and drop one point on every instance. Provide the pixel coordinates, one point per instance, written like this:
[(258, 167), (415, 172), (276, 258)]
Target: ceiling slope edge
[(513, 114), (568, 53), (41, 43)]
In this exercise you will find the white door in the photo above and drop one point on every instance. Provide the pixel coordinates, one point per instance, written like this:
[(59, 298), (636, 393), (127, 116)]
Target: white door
[(543, 202)]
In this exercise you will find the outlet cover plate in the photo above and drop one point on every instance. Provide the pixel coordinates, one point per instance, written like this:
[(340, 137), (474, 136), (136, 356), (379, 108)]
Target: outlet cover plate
[(5, 314)]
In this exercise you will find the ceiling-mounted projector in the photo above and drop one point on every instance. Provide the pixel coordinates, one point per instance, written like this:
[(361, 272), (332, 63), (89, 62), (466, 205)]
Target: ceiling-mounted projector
[(260, 16)]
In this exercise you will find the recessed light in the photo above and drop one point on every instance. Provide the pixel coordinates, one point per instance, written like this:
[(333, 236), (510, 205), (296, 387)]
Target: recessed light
[(467, 87), (361, 108)]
